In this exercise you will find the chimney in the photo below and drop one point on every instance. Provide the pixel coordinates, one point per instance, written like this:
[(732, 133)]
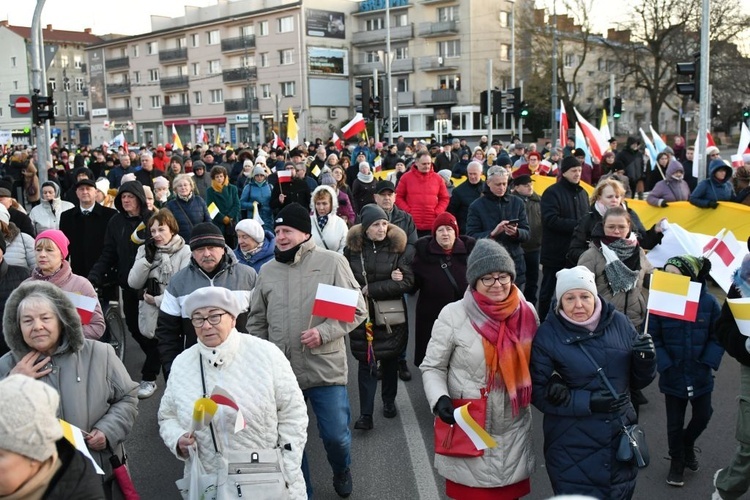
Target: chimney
[(5, 23), (49, 27), (87, 31)]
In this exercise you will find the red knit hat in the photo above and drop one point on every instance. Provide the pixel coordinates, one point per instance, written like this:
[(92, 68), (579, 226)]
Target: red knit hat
[(444, 219)]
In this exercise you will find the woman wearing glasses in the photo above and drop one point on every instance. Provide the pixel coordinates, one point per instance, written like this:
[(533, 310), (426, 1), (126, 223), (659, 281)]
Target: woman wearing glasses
[(481, 344), (272, 405)]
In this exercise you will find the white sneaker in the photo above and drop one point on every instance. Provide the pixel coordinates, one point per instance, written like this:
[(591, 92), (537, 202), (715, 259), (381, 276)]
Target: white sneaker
[(716, 495), (147, 389)]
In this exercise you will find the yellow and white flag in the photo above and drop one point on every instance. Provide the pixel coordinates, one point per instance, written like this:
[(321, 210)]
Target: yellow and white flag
[(176, 142), (75, 436), (256, 216), (674, 296), (213, 210), (741, 311), (291, 130), (480, 437)]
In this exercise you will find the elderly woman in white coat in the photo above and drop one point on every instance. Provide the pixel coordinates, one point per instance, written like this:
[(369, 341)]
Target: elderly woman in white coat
[(46, 215), (19, 246), (328, 229), (482, 344), (272, 405), (43, 330)]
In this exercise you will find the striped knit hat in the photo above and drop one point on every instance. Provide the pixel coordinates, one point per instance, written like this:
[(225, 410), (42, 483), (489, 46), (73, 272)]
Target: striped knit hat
[(206, 234)]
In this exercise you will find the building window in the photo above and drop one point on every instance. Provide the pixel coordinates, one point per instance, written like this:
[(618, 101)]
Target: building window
[(504, 19), (63, 61), (66, 84), (152, 48), (198, 97), (264, 60), (55, 110), (402, 53), (217, 96), (134, 50), (263, 28), (449, 82), (248, 30), (372, 56), (401, 20), (68, 108), (137, 76), (15, 84), (376, 23), (214, 67), (287, 89), (195, 40), (79, 84), (52, 84), (450, 48), (155, 101), (504, 52), (212, 37), (286, 56), (181, 43), (248, 61), (569, 60), (81, 108), (402, 84), (447, 14), (153, 75), (286, 24), (265, 91), (77, 62), (13, 61), (138, 103), (195, 69)]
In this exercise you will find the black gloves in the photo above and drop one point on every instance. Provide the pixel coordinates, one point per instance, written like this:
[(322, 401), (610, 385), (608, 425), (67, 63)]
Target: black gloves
[(663, 204), (150, 248), (643, 347), (558, 393), (444, 410), (603, 401), (713, 204)]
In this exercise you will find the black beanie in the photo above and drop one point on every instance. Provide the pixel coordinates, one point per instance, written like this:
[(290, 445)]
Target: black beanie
[(295, 216), (568, 163), (371, 213), (206, 234)]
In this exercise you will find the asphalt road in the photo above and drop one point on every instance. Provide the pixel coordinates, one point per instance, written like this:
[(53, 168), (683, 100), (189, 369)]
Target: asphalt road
[(394, 460)]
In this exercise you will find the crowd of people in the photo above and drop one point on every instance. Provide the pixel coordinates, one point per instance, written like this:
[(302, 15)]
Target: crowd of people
[(218, 256)]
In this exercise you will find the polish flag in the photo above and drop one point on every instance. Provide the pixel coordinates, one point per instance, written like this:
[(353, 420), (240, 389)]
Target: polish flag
[(337, 142), (285, 176), (223, 398), (725, 254), (544, 167), (335, 302), (355, 126), (741, 311), (85, 305), (277, 142), (673, 296), (563, 125), (597, 144), (744, 145)]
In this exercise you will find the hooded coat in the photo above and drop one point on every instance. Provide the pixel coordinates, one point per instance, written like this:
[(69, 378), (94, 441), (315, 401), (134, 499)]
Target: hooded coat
[(47, 214), (262, 256), (96, 391), (260, 192), (423, 195), (19, 248), (333, 235), (670, 189), (712, 190)]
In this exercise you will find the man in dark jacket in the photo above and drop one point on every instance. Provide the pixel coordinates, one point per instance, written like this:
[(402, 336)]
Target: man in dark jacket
[(523, 187), (501, 216), (10, 278), (126, 231), (75, 176), (563, 206), (212, 264), (465, 194), (631, 160), (146, 174)]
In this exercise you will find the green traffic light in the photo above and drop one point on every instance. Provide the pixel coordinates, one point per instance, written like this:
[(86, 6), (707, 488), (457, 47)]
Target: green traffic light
[(524, 112), (616, 115)]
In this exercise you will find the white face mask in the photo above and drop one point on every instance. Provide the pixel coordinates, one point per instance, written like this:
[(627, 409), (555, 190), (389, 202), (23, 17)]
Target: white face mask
[(678, 176)]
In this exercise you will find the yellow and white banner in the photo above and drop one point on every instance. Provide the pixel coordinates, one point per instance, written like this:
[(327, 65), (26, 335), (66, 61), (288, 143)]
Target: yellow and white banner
[(481, 438), (75, 436), (741, 311)]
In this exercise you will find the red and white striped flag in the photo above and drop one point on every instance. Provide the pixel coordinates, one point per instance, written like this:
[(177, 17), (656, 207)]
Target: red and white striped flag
[(337, 142), (725, 254), (85, 305), (223, 398), (335, 302), (285, 176), (563, 125), (355, 126)]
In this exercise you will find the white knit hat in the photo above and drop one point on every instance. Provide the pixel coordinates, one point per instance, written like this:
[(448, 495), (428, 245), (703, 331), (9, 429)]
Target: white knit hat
[(212, 296), (251, 228), (577, 278), (28, 417), (102, 184)]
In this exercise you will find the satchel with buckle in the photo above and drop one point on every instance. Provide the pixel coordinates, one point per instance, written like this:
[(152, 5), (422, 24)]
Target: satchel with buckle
[(389, 312), (255, 474)]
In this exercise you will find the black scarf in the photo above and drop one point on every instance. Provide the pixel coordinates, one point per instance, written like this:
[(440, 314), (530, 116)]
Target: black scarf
[(286, 256)]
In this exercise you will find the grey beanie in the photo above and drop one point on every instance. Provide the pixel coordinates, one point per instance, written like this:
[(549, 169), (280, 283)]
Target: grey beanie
[(28, 418), (369, 214), (488, 256), (212, 296), (259, 170), (577, 278)]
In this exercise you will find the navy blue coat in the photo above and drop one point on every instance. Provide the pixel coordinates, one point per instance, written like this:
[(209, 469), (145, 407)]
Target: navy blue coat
[(580, 446), (265, 253), (686, 352), (188, 214), (487, 212), (563, 206)]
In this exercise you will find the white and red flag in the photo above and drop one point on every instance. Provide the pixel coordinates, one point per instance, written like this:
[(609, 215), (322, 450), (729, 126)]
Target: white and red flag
[(337, 141), (725, 254), (223, 398), (563, 125), (596, 142), (335, 302), (285, 176), (355, 126), (85, 305)]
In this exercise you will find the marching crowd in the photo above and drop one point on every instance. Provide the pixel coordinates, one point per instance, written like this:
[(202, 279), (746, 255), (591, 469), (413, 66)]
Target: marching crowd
[(219, 257)]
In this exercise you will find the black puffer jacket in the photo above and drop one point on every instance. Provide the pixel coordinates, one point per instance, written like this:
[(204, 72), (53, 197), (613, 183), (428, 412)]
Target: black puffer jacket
[(728, 332), (76, 477), (380, 259), (461, 199), (563, 206), (10, 278), (121, 241)]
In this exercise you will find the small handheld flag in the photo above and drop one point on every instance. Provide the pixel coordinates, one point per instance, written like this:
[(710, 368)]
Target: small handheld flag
[(74, 435), (481, 438), (674, 296), (85, 305), (213, 210), (335, 302), (222, 397), (741, 311), (203, 412)]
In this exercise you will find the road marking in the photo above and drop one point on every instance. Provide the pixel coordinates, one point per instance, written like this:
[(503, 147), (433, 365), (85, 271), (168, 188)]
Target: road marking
[(421, 460)]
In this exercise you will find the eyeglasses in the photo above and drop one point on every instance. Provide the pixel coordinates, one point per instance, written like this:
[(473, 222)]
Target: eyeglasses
[(213, 319), (488, 281)]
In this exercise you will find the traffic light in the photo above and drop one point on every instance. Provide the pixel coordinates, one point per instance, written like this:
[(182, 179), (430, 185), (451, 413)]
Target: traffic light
[(607, 102), (715, 110), (375, 109), (364, 97), (746, 112), (513, 101), (523, 110), (483, 102), (617, 110), (497, 102), (693, 70), (42, 109)]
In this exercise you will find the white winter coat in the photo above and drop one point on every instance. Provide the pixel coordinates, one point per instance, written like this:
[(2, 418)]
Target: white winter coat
[(43, 218), (272, 405), (19, 249), (335, 230), (454, 365)]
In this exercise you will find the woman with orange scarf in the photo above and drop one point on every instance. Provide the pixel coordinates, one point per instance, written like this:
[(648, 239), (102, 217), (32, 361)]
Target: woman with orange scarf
[(481, 347)]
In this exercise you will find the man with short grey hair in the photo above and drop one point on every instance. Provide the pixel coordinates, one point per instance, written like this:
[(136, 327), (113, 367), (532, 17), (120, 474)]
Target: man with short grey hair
[(465, 194), (146, 174)]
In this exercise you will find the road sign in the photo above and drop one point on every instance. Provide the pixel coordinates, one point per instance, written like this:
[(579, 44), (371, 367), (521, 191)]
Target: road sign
[(20, 106)]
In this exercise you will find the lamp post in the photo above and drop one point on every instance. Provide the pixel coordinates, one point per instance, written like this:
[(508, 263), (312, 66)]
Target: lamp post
[(66, 89), (553, 94), (513, 56), (248, 94), (388, 73)]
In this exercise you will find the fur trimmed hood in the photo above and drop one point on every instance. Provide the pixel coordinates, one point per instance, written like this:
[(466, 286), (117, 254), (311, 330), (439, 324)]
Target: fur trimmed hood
[(334, 198), (395, 236), (72, 334)]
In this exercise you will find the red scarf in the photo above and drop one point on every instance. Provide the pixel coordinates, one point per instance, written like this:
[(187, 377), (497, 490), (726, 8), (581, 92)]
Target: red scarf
[(507, 329)]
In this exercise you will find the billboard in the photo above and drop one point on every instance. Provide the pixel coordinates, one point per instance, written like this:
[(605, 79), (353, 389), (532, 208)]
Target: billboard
[(97, 85), (325, 24), (322, 60)]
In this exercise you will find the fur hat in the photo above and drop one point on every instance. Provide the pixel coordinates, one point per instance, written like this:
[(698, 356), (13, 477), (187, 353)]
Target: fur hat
[(295, 216), (28, 419), (488, 256), (576, 278), (206, 234), (370, 214), (57, 237), (568, 163), (252, 228), (445, 219), (212, 296)]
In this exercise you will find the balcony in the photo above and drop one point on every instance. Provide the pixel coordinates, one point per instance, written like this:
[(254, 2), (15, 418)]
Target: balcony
[(434, 97), (234, 105), (239, 43), (172, 55), (174, 82), (399, 33), (435, 2), (367, 68), (405, 98), (120, 113), (438, 63), (175, 110), (120, 62), (427, 30), (118, 88), (239, 74), (402, 65)]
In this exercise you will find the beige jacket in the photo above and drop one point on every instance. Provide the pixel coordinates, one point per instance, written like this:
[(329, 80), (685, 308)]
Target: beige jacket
[(454, 365), (282, 305)]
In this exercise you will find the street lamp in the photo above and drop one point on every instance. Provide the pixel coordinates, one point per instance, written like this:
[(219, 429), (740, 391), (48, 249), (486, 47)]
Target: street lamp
[(66, 88), (248, 93)]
